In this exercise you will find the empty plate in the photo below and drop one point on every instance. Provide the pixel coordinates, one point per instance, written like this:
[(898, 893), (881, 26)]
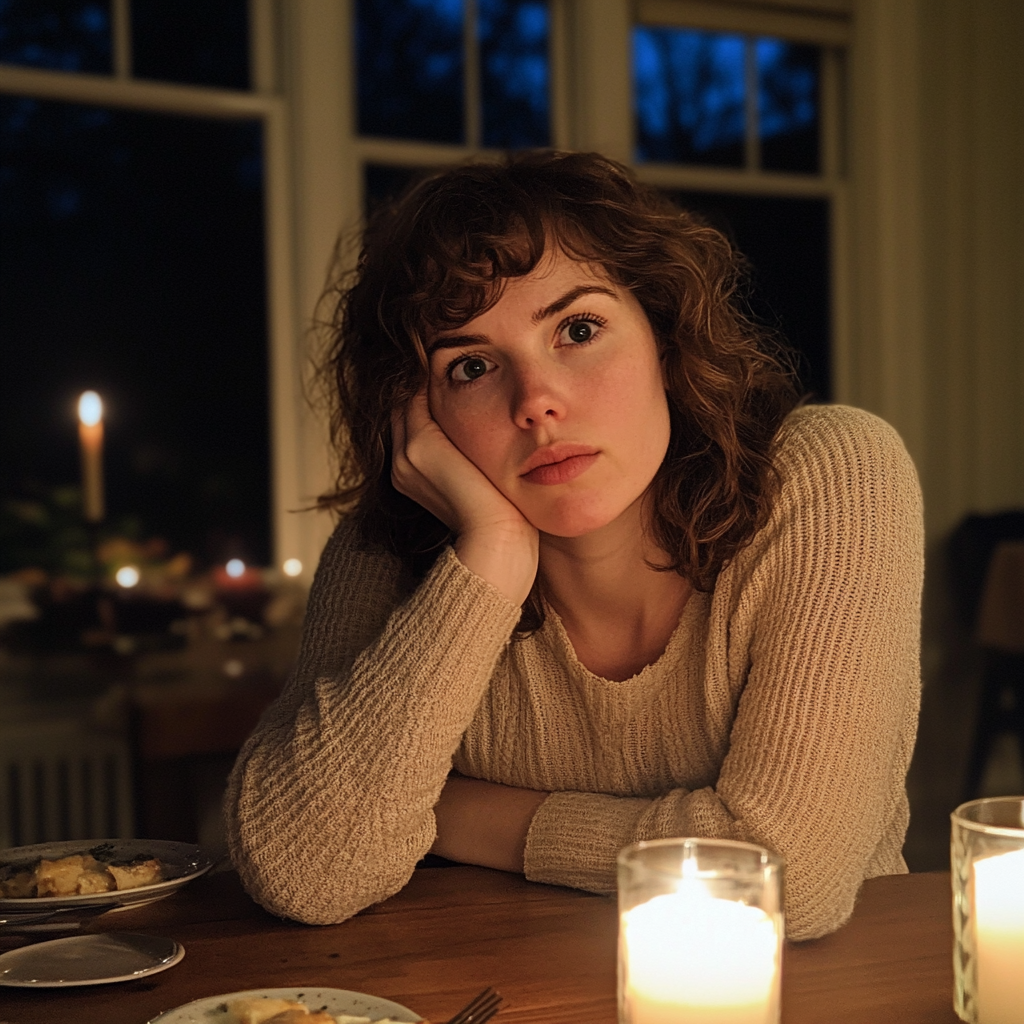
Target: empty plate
[(88, 960)]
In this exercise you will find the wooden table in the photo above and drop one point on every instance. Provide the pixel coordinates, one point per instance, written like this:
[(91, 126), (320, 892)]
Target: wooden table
[(550, 951)]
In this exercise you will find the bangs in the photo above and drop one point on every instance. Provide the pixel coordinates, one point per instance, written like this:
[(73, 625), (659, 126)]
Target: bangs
[(459, 257), (465, 244)]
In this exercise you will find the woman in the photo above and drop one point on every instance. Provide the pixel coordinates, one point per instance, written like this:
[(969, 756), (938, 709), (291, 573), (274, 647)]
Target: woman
[(595, 561)]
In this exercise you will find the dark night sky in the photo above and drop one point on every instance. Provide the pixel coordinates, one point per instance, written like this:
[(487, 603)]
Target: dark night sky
[(132, 263)]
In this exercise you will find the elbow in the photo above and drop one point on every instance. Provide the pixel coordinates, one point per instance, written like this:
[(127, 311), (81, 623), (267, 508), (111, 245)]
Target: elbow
[(309, 893), (818, 902), (314, 883)]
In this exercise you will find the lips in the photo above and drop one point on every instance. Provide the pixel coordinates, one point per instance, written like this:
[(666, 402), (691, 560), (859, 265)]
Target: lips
[(558, 463)]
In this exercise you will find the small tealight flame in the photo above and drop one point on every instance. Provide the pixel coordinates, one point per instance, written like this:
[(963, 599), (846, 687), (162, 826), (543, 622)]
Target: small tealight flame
[(127, 576), (90, 408), (292, 567), (235, 568)]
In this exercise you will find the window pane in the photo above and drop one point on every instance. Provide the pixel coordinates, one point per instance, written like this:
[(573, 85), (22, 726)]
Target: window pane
[(514, 72), (132, 263), (689, 94), (787, 242), (199, 42), (410, 58), (65, 35), (788, 76)]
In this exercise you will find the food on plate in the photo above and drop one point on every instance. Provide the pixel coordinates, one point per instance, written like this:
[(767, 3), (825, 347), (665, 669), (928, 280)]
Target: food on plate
[(69, 876), (21, 886), (302, 1017), (80, 874), (249, 1010), (267, 1010), (141, 872), (344, 1018)]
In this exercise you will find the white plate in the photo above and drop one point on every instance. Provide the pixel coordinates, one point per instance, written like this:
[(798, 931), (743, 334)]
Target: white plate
[(213, 1009), (88, 960), (182, 862)]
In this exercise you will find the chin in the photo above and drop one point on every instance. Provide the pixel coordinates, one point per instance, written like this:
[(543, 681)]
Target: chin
[(574, 518)]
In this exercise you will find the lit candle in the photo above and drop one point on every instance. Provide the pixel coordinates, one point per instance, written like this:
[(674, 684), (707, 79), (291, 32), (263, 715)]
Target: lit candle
[(90, 436), (999, 934), (694, 958)]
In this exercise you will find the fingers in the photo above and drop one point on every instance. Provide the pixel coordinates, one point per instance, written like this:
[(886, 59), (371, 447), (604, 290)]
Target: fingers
[(409, 425), (417, 412)]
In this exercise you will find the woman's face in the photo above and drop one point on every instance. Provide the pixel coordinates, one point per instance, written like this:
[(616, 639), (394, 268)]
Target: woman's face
[(556, 395)]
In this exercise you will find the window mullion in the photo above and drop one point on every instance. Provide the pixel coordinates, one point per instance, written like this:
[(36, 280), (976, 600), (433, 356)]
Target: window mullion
[(472, 97), (559, 95), (752, 147), (121, 37), (831, 113), (263, 70)]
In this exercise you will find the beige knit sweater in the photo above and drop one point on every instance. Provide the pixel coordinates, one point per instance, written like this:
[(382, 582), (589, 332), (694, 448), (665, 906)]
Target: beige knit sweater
[(782, 712)]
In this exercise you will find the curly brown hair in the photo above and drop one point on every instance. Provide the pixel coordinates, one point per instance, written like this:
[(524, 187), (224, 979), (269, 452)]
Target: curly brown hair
[(438, 257)]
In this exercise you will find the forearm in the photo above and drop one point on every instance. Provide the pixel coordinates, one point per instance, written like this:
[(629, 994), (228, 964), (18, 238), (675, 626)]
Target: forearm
[(484, 823), (331, 802)]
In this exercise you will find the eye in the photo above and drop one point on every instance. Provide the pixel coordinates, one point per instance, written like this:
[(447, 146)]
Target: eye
[(580, 331), (468, 369), (582, 328)]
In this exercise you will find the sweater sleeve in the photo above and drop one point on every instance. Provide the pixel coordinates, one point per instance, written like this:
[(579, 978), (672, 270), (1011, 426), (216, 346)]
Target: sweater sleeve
[(820, 622), (330, 803)]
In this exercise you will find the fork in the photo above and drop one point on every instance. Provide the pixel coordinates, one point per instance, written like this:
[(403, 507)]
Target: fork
[(483, 1007)]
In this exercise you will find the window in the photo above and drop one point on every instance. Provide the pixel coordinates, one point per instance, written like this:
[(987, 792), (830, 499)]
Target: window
[(716, 98), (466, 74), (736, 118), (342, 123), (737, 115), (134, 263)]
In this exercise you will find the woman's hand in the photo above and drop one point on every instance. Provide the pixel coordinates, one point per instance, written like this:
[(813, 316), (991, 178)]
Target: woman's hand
[(493, 539), (484, 823)]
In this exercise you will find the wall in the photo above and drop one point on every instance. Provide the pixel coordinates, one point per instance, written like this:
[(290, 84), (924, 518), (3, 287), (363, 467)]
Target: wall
[(937, 279)]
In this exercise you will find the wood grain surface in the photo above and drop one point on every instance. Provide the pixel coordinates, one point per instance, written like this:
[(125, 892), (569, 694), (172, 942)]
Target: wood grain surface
[(550, 951)]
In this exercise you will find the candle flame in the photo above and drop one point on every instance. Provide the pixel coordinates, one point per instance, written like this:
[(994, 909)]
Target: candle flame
[(90, 408), (235, 568), (127, 576)]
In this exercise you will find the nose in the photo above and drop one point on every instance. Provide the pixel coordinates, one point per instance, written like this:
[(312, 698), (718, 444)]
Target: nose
[(537, 399)]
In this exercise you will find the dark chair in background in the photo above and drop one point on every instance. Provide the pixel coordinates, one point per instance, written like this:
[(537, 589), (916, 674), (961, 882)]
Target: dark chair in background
[(971, 549)]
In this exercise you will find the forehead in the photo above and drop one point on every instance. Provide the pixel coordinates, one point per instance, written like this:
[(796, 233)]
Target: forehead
[(555, 276)]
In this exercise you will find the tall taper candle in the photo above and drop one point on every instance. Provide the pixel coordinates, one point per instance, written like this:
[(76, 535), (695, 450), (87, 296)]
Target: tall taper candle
[(90, 436)]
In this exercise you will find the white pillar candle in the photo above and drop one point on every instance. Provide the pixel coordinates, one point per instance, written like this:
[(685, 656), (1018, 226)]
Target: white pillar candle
[(90, 437), (695, 959), (999, 937)]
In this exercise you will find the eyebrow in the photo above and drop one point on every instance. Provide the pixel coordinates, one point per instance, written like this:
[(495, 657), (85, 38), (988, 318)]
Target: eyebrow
[(542, 314)]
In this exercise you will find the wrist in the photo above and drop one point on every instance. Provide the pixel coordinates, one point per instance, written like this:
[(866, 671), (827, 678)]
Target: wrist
[(505, 555), (484, 823)]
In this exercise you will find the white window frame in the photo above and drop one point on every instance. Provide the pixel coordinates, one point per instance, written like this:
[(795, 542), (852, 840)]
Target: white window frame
[(262, 103), (824, 23), (304, 94), (591, 108)]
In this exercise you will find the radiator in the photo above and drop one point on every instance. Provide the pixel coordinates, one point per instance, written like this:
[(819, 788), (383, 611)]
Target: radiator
[(59, 781)]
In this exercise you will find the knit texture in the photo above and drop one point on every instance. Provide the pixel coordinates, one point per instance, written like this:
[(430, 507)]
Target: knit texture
[(782, 712)]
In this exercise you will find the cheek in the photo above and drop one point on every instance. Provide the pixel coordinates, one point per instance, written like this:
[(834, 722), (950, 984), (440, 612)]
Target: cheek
[(470, 425), (632, 394)]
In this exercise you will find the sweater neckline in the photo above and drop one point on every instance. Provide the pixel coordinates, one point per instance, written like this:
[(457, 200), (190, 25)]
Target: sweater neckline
[(679, 641)]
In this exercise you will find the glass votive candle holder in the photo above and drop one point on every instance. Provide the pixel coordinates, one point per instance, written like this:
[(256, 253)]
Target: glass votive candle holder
[(700, 933), (987, 854)]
